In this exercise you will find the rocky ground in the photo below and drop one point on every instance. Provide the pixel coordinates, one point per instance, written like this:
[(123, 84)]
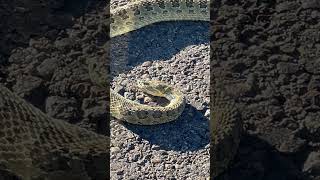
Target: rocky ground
[(175, 150), (267, 53), (163, 151)]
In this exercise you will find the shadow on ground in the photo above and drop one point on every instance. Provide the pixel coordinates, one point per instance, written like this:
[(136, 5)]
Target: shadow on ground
[(155, 42), (190, 132), (258, 160)]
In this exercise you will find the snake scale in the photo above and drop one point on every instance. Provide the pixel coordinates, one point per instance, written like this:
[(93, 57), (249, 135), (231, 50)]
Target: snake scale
[(33, 145), (132, 16)]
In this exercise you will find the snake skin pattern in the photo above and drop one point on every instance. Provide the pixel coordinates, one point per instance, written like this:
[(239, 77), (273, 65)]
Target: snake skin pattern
[(35, 146), (225, 131), (225, 122), (137, 113), (132, 16), (139, 13)]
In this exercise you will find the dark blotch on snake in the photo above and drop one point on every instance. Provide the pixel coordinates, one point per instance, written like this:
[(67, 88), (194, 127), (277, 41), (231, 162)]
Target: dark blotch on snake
[(175, 3), (157, 114), (136, 11), (189, 3), (142, 114), (147, 6), (203, 4), (123, 14), (161, 4)]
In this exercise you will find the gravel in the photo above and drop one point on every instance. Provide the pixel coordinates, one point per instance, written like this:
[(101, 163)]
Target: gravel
[(179, 149), (266, 53)]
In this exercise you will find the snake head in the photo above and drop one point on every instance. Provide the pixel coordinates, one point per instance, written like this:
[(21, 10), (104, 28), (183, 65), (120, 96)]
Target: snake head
[(154, 88)]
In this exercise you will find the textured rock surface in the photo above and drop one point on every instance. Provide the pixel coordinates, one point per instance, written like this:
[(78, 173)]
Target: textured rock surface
[(163, 151), (268, 53), (51, 74), (23, 19)]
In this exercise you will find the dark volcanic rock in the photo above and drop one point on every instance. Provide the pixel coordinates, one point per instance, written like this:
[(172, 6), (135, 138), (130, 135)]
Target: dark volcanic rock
[(265, 52), (312, 164), (23, 19), (313, 66), (62, 108)]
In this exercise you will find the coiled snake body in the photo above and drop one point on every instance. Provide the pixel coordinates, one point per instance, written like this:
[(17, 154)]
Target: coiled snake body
[(132, 16), (31, 142)]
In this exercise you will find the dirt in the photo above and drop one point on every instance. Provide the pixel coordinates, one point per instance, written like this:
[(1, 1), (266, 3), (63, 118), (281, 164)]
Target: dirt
[(268, 56), (266, 53)]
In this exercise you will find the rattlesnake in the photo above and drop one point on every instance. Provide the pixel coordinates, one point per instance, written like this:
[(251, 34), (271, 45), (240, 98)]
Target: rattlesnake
[(137, 113), (132, 16), (140, 13), (225, 124), (31, 142), (35, 146)]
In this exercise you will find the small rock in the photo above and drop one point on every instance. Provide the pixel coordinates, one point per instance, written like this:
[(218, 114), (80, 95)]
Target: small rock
[(155, 147), (147, 100), (64, 44), (207, 113), (147, 64), (275, 112), (47, 67), (61, 107), (129, 95), (114, 150), (135, 157), (287, 68), (313, 125), (120, 172), (313, 66), (156, 160), (312, 164), (286, 6), (188, 88), (130, 146), (307, 4), (145, 76), (292, 145), (315, 14), (287, 48)]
